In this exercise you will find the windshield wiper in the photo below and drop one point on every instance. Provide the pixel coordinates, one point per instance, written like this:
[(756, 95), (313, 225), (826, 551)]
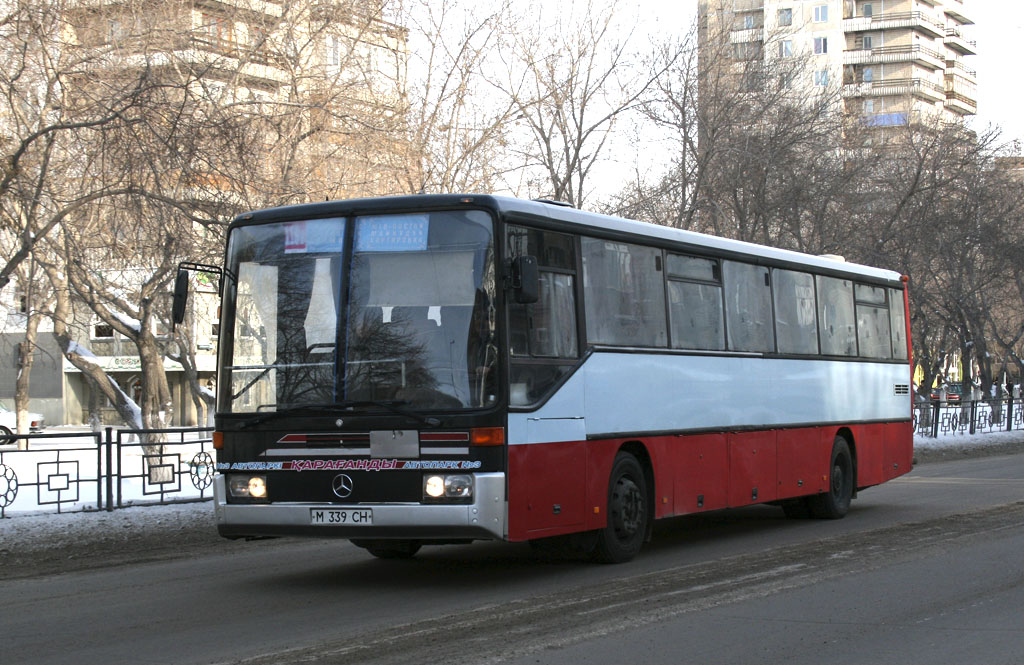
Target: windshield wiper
[(394, 406)]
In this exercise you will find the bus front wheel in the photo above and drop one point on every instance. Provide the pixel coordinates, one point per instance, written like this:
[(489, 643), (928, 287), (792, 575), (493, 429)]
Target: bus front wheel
[(834, 503), (624, 535)]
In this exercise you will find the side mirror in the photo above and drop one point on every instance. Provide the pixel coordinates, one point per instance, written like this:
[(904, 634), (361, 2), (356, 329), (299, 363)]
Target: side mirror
[(526, 279), (180, 296)]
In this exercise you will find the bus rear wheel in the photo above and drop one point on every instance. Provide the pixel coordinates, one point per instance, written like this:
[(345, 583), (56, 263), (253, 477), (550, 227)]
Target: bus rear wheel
[(835, 503), (390, 549), (624, 535)]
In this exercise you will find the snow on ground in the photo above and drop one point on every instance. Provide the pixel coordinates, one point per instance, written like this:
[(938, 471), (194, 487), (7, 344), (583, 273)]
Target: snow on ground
[(36, 545), (966, 441), (67, 529)]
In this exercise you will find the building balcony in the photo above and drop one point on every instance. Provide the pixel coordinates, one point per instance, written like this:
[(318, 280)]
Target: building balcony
[(961, 95), (920, 88), (919, 55), (744, 36), (236, 51), (955, 40), (957, 68), (255, 67), (955, 8), (920, 21), (253, 7), (961, 105)]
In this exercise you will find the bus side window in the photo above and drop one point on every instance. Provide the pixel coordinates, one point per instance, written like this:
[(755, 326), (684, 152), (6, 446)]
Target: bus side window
[(624, 289), (796, 325), (696, 318), (874, 336), (899, 324), (836, 318), (546, 328), (748, 307), (543, 336)]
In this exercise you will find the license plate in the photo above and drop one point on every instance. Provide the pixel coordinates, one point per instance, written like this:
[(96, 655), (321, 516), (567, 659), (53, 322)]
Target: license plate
[(341, 516)]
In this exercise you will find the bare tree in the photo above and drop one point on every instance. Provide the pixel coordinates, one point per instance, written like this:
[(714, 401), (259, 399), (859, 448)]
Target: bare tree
[(755, 157), (934, 213), (36, 68), (41, 186), (572, 76), (153, 132), (34, 301), (458, 130)]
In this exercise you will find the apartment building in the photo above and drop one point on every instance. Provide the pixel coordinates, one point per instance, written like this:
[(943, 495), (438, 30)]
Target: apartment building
[(897, 61)]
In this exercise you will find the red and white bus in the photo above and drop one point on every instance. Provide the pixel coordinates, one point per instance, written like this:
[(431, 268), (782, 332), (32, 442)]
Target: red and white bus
[(433, 369)]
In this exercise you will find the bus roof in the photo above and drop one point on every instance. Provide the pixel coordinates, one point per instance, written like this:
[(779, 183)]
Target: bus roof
[(532, 210)]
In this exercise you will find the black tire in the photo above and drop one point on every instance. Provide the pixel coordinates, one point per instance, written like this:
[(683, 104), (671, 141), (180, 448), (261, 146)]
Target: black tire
[(6, 436), (390, 549), (835, 503), (628, 513)]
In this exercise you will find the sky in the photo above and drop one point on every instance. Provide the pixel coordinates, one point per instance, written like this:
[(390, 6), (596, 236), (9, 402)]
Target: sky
[(999, 31)]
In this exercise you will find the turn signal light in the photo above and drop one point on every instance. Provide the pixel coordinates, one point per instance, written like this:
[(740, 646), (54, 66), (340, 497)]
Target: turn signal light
[(218, 440), (487, 436)]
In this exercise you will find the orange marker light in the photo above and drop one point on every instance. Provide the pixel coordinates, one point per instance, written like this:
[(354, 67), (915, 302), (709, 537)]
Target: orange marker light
[(218, 440), (487, 436)]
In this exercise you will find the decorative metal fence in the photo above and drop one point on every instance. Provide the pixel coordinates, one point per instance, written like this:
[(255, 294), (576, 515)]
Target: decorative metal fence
[(106, 470), (940, 418)]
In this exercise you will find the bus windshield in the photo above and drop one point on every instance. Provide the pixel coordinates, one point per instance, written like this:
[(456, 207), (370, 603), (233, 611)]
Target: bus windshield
[(397, 309)]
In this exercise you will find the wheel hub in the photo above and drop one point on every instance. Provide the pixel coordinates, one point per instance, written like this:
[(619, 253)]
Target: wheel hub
[(628, 508)]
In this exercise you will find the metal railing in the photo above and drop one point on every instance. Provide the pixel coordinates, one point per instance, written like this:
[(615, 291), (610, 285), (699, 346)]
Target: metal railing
[(908, 50), (957, 67), (116, 468), (940, 417), (916, 18), (901, 86)]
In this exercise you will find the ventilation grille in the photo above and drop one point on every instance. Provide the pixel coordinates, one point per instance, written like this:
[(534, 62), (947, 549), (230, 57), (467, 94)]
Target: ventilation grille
[(902, 388)]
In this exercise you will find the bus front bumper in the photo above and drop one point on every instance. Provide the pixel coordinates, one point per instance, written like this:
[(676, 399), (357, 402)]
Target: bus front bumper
[(483, 519)]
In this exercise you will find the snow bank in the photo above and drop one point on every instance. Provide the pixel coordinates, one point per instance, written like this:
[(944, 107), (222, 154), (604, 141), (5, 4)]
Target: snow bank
[(968, 440), (31, 532)]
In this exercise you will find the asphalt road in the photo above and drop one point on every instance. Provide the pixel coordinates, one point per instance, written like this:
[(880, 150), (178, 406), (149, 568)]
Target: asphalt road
[(927, 568)]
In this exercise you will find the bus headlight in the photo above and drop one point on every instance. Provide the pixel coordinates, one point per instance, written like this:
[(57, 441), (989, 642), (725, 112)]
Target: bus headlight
[(433, 487), (441, 487), (458, 487), (248, 487), (258, 487)]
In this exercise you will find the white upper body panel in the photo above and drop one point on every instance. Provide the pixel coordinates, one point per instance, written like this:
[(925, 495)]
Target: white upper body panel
[(624, 393)]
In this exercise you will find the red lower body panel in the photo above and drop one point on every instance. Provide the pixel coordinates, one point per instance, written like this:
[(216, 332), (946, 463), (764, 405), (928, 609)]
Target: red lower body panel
[(560, 488)]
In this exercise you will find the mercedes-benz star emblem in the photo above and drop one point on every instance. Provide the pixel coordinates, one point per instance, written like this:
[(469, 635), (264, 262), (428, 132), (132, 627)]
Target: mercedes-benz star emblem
[(342, 486)]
